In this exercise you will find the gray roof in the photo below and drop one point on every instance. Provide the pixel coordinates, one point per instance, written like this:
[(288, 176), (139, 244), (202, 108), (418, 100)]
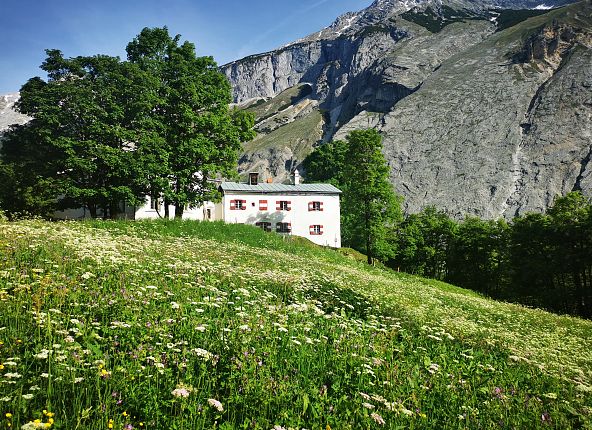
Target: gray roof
[(279, 188)]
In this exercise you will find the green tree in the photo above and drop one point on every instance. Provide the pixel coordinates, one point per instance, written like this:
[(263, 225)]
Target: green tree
[(571, 236), (81, 144), (26, 171), (371, 207), (327, 163), (202, 137), (423, 243), (477, 256)]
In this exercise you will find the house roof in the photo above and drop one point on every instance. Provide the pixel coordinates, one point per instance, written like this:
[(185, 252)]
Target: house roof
[(279, 188)]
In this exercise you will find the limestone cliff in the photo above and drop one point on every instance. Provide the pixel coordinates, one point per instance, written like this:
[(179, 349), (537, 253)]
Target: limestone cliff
[(484, 111), (8, 115)]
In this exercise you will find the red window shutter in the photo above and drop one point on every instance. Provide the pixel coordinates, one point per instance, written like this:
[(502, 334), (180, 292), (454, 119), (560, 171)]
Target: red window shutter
[(310, 206), (244, 205), (321, 229), (311, 230), (262, 205), (289, 206), (321, 206), (278, 205), (289, 227), (232, 205)]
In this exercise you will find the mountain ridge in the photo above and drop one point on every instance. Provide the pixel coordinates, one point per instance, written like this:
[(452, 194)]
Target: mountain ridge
[(371, 78), (484, 111)]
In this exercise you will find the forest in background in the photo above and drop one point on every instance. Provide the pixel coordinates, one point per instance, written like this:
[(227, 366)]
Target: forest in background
[(539, 260)]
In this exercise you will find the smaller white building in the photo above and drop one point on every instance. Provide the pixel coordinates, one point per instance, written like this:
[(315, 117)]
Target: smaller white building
[(152, 209), (307, 210)]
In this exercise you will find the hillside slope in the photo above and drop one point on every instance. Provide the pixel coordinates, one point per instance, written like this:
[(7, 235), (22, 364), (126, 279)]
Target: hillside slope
[(484, 110), (183, 325)]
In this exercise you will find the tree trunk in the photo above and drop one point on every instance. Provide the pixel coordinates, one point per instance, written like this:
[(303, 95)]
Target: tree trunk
[(93, 210), (179, 210), (166, 209), (367, 232), (113, 210)]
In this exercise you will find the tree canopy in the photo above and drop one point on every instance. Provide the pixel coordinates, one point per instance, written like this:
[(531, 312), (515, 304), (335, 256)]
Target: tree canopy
[(327, 163), (371, 207), (542, 260), (106, 131), (201, 135)]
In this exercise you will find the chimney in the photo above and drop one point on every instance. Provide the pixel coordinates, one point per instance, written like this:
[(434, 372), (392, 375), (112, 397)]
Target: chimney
[(296, 177), (253, 178)]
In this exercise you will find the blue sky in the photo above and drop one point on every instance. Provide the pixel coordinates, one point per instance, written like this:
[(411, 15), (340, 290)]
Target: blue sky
[(226, 30)]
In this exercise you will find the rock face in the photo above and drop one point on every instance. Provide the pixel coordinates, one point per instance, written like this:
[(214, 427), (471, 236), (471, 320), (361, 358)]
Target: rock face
[(8, 116), (483, 111)]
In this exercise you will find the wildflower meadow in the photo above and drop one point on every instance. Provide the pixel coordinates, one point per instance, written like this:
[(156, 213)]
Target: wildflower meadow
[(187, 325)]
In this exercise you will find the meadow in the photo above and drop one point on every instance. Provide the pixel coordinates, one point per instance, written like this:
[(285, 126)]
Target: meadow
[(186, 325)]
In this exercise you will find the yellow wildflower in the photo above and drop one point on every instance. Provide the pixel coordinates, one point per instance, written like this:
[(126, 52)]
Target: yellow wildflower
[(8, 415), (1, 366), (110, 424), (124, 413)]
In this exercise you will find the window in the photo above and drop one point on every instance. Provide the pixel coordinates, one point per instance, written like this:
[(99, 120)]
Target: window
[(208, 214), (238, 205), (315, 206), (316, 230), (284, 205), (262, 205), (266, 226), (283, 227)]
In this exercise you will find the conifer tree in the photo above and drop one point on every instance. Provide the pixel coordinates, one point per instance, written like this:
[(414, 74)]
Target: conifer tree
[(371, 207)]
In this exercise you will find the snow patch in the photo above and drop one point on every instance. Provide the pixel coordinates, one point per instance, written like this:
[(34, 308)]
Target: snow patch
[(543, 6)]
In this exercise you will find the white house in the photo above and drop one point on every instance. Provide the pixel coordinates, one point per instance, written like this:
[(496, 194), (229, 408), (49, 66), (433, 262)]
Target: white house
[(307, 210)]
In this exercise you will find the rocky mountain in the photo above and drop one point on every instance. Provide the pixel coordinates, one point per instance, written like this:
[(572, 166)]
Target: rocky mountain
[(485, 106), (8, 115)]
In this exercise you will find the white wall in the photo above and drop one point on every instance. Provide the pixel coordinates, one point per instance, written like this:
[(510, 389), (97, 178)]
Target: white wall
[(299, 215), (199, 213), (144, 212)]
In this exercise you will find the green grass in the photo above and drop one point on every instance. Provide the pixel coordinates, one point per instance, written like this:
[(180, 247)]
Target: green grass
[(299, 135), (434, 22), (509, 18), (578, 15), (280, 102), (113, 323)]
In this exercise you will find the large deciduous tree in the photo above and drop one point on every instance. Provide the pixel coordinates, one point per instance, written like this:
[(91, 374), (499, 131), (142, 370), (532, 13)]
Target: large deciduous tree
[(371, 207), (80, 148), (106, 131), (202, 137), (326, 163)]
